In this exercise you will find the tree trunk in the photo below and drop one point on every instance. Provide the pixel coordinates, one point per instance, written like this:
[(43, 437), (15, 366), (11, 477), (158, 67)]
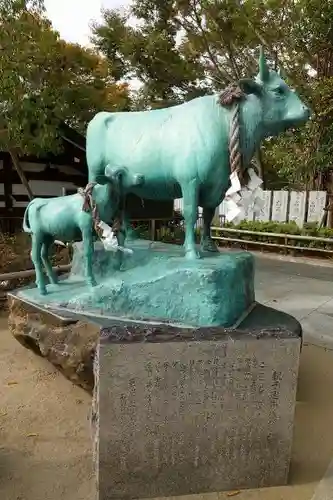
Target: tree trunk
[(19, 170), (330, 201)]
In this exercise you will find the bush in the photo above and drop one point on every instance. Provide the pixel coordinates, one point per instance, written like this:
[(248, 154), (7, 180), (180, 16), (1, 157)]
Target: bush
[(15, 253), (288, 228)]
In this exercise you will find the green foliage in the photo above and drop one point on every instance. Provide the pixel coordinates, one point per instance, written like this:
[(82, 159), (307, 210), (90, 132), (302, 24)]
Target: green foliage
[(309, 228), (183, 48), (268, 227), (149, 53), (44, 80)]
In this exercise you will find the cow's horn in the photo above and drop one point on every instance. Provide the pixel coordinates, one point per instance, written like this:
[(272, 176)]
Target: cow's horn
[(263, 67), (282, 73)]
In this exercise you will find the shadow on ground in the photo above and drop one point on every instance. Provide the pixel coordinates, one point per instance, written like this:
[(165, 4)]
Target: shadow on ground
[(313, 437)]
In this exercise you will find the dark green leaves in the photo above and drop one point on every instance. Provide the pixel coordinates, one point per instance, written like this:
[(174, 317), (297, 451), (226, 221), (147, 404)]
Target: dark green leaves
[(44, 80)]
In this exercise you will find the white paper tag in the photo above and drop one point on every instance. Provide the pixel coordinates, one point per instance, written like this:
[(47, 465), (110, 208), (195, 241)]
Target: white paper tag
[(232, 209), (110, 241), (254, 181), (235, 184), (239, 199)]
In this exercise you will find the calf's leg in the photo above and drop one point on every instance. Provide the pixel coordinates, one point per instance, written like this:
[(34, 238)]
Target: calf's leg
[(121, 237), (36, 248), (46, 260), (190, 198), (207, 244)]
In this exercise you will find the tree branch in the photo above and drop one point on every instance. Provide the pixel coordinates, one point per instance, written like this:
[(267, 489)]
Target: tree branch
[(206, 42)]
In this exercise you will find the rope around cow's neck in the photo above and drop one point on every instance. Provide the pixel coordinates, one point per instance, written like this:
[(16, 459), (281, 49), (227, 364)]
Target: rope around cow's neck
[(89, 204), (232, 95)]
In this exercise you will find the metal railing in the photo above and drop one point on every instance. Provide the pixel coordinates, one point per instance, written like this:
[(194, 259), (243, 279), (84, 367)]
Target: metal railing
[(287, 238)]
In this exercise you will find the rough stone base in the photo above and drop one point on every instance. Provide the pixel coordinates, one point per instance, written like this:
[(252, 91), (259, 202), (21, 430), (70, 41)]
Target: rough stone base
[(69, 346), (191, 411)]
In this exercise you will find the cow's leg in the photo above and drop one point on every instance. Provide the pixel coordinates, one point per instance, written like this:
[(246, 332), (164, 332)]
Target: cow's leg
[(36, 249), (46, 260), (190, 210), (121, 237), (207, 244), (88, 250), (130, 234)]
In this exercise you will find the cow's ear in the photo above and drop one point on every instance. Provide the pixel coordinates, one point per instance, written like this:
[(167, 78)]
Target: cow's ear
[(250, 86)]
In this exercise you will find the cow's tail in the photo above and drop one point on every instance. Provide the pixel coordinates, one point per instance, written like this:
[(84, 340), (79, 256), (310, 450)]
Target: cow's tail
[(26, 221), (26, 224)]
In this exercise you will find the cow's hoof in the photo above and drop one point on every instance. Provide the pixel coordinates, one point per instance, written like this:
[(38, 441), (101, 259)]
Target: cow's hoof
[(192, 254), (42, 291), (92, 283), (209, 245)]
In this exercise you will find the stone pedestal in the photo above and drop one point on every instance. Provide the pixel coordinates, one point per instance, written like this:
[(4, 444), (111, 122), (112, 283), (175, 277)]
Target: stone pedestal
[(181, 411)]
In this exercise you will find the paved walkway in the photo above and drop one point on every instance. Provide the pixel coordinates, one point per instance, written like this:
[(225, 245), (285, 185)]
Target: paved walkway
[(301, 289)]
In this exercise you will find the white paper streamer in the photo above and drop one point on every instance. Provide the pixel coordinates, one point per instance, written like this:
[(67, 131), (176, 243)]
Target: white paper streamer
[(110, 241), (238, 199)]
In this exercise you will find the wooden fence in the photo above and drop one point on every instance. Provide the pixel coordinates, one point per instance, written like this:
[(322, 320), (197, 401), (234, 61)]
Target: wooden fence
[(282, 206)]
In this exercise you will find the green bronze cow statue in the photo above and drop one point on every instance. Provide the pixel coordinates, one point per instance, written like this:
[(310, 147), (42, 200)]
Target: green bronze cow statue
[(183, 151)]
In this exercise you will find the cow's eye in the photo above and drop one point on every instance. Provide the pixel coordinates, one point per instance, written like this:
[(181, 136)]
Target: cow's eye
[(279, 91)]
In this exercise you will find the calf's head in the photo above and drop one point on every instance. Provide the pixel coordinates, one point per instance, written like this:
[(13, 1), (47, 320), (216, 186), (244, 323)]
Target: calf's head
[(281, 107), (123, 177)]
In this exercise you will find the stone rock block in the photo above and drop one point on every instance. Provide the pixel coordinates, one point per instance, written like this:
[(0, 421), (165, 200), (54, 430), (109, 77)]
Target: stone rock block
[(70, 346), (181, 411)]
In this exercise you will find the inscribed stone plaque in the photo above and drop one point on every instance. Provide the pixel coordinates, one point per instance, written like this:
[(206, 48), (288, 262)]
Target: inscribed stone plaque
[(191, 416), (297, 207), (249, 212), (279, 206), (265, 212), (316, 205)]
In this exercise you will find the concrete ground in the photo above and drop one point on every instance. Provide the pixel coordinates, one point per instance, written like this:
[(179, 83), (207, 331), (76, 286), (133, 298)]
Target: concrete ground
[(301, 289), (45, 451)]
